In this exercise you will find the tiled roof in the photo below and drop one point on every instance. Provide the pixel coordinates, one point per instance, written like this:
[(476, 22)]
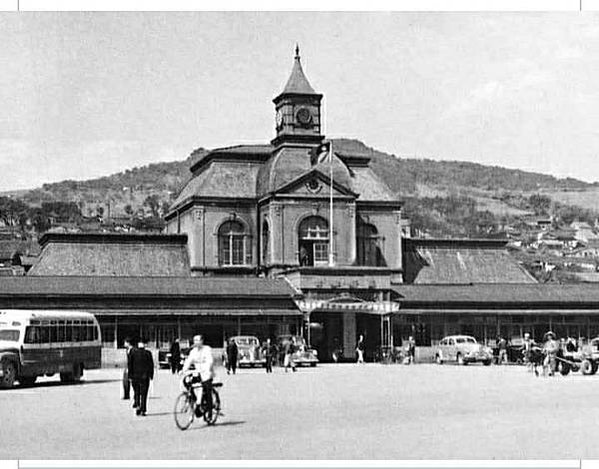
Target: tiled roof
[(460, 262), (234, 287), (237, 152), (222, 180), (113, 255), (494, 295)]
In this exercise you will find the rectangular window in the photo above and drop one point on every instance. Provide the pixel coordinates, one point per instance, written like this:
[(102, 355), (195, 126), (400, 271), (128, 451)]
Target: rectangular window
[(44, 334), (68, 337), (53, 332), (60, 332), (237, 247), (76, 332), (32, 335), (321, 252)]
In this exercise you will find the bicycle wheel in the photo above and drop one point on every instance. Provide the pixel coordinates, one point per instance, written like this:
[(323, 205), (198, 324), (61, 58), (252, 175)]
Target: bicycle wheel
[(215, 409), (184, 411)]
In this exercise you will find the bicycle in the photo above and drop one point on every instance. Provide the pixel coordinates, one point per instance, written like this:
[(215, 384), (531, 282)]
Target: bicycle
[(187, 407)]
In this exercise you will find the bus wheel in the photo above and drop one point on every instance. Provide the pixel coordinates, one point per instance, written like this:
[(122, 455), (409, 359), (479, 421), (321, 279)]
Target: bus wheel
[(27, 380), (9, 375), (77, 372)]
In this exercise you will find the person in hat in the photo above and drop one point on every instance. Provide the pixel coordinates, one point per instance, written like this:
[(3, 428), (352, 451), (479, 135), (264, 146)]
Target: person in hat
[(126, 379), (550, 349), (141, 371)]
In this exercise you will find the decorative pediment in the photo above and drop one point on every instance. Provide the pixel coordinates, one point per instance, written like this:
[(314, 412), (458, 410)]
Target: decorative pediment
[(314, 183)]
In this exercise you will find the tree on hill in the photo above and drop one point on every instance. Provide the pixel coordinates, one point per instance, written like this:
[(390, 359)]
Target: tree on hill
[(13, 212), (153, 203)]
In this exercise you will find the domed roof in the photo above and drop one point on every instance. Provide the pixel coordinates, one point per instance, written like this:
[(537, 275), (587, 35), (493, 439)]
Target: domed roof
[(290, 163)]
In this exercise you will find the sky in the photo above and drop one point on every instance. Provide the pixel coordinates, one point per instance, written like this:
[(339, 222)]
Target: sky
[(84, 95)]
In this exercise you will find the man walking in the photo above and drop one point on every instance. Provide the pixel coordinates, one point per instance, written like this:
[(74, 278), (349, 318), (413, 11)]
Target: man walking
[(126, 379), (502, 346), (232, 352), (360, 349), (269, 352), (141, 371), (175, 356), (411, 350), (289, 350)]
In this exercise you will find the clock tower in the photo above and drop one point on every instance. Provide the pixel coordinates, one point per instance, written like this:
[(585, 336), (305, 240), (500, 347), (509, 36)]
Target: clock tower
[(297, 108)]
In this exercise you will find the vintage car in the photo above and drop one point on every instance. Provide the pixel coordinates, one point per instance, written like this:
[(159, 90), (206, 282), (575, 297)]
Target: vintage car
[(303, 355), (462, 349), (164, 357), (248, 351)]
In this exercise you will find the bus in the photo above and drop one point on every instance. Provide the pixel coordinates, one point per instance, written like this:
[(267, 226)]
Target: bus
[(38, 343)]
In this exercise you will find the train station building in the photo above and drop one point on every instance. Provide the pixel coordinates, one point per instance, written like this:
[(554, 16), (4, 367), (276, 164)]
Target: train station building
[(295, 236)]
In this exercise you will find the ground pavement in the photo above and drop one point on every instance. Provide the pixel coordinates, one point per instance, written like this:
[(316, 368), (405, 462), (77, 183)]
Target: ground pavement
[(332, 411)]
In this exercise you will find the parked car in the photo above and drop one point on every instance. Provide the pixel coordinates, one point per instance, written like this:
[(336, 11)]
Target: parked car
[(248, 351), (462, 349), (164, 357), (303, 356)]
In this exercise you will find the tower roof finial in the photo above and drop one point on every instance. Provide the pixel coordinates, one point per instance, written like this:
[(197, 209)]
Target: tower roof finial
[(297, 56)]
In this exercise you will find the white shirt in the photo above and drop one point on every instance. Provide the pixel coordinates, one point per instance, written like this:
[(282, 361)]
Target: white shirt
[(203, 361)]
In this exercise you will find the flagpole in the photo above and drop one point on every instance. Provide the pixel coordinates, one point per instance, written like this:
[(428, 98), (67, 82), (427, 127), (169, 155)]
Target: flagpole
[(331, 247)]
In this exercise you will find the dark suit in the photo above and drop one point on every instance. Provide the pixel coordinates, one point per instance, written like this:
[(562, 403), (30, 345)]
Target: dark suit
[(141, 371), (232, 352), (126, 380)]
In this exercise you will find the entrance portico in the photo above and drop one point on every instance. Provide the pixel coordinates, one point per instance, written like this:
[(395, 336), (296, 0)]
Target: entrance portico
[(337, 322)]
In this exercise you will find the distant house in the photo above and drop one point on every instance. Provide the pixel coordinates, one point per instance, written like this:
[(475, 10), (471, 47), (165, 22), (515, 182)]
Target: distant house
[(589, 250), (583, 231)]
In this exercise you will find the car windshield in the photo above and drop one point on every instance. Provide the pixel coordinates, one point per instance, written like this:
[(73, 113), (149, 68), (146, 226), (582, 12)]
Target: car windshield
[(9, 335), (246, 341), (465, 340)]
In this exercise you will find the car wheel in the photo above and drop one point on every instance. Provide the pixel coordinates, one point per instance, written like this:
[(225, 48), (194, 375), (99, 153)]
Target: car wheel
[(594, 367), (586, 367), (487, 362), (10, 374), (460, 359), (564, 368), (438, 359)]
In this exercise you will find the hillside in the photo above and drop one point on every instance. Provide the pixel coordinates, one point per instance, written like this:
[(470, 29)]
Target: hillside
[(451, 198)]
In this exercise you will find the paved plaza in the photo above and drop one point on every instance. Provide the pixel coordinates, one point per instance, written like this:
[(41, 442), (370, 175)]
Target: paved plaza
[(338, 412)]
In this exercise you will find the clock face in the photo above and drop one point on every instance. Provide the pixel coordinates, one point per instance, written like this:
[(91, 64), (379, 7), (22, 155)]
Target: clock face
[(279, 118), (304, 116)]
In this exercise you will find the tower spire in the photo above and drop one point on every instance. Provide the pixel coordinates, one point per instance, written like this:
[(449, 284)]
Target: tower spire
[(297, 55)]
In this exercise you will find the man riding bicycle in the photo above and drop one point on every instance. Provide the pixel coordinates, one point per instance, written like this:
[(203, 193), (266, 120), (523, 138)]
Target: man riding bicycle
[(200, 356)]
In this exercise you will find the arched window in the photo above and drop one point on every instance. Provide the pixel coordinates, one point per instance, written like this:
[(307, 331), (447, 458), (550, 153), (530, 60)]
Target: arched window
[(313, 241), (265, 243), (369, 249), (233, 244)]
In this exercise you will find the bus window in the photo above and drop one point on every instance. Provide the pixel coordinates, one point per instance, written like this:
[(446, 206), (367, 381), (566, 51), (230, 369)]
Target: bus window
[(96, 335), (53, 332), (68, 337), (44, 334), (60, 332), (90, 333), (32, 335), (83, 332), (76, 333)]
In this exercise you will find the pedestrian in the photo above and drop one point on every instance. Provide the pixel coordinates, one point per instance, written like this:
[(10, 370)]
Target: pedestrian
[(268, 350), (141, 372), (360, 349), (411, 350), (232, 352), (175, 356), (550, 350), (502, 346), (126, 380), (289, 351), (528, 343)]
